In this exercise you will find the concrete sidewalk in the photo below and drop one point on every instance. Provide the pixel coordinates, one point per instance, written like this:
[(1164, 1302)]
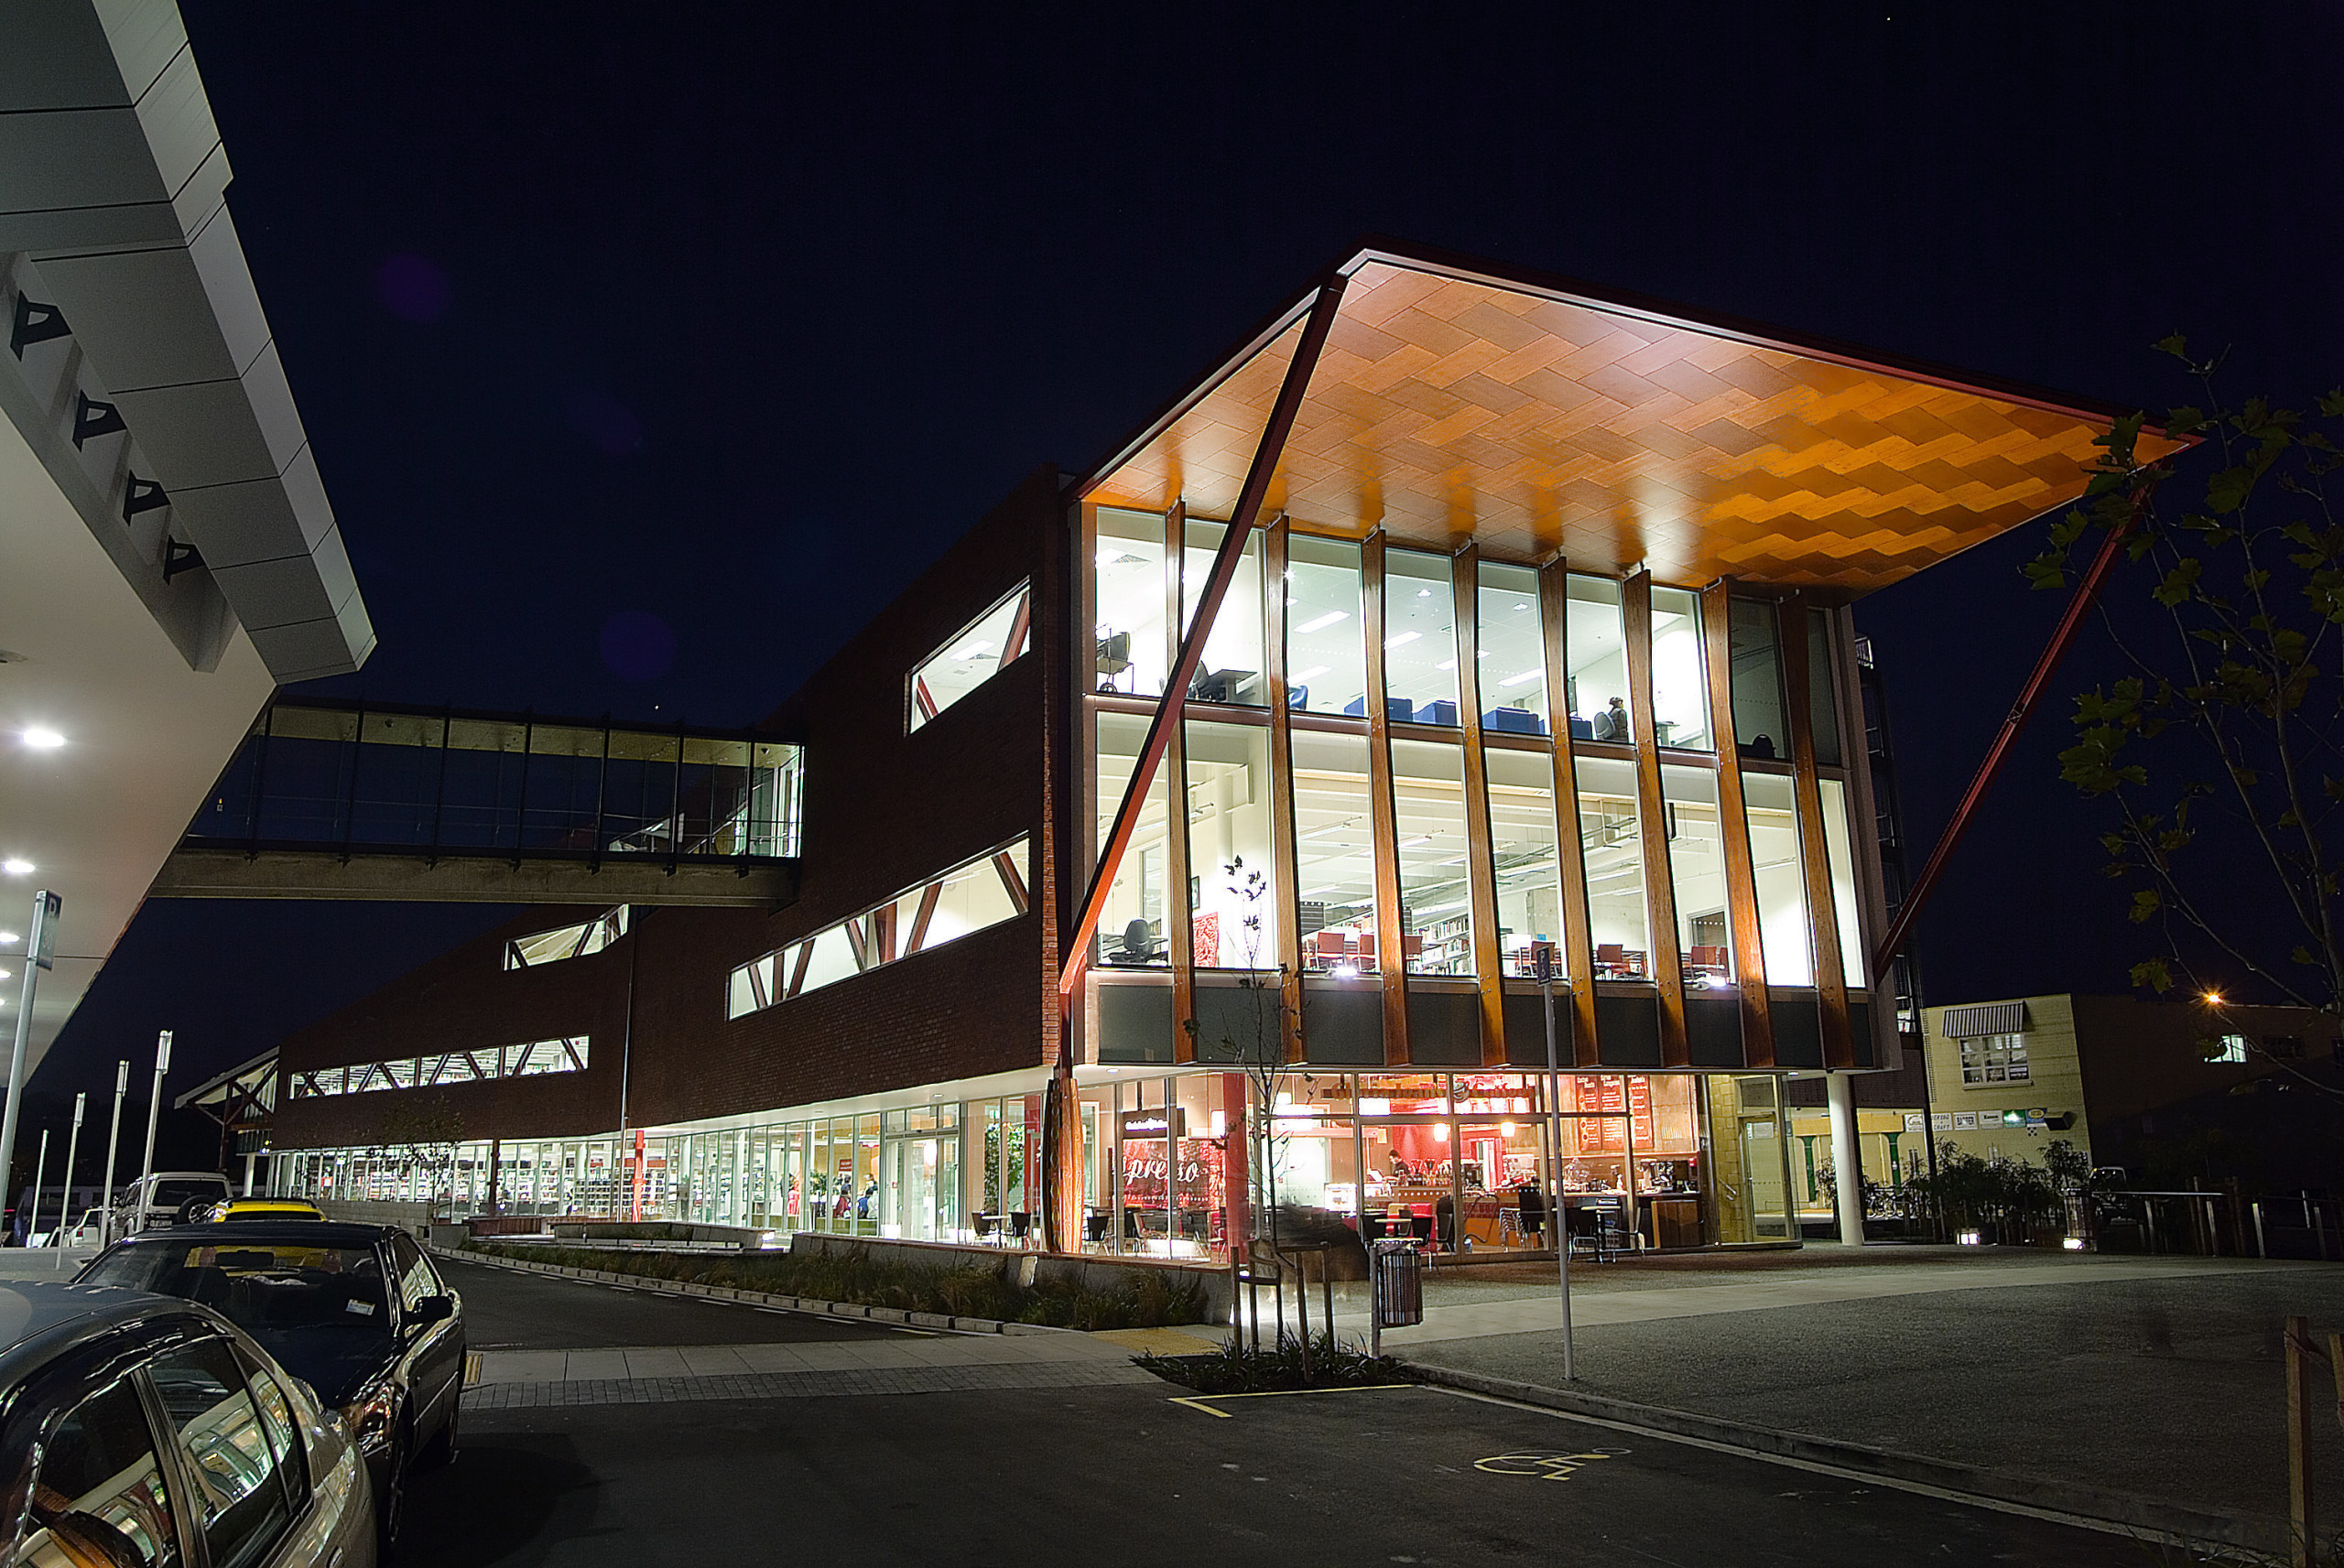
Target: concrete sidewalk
[(2159, 1378)]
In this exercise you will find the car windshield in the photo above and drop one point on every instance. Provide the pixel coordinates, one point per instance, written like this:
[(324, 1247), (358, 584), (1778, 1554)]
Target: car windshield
[(267, 1287)]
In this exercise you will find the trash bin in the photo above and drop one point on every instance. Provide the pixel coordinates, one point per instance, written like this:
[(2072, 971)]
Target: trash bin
[(1399, 1284)]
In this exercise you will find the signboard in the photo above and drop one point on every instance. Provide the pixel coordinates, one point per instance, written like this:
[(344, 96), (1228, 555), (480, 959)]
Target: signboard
[(1941, 1120), (1153, 1123), (1965, 1121), (47, 906), (1912, 1122)]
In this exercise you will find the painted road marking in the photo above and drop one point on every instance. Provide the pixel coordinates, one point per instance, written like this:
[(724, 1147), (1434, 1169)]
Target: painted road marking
[(1197, 1401), (472, 1368), (1543, 1465)]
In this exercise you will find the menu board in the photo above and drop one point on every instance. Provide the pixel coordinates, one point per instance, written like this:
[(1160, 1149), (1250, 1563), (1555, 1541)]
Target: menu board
[(1611, 1098)]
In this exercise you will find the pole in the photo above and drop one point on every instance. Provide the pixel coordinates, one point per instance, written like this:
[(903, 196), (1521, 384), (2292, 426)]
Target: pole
[(1545, 963), (114, 1137), (40, 942), (1846, 1157), (2301, 1549), (41, 1173), (154, 1109), (73, 1149)]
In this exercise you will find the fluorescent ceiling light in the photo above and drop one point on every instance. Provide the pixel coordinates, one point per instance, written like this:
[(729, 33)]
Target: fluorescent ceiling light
[(43, 739), (16, 867), (982, 645), (1424, 593), (1445, 665), (9, 938), (1524, 676), (1321, 622), (1311, 674), (1419, 838), (1403, 637)]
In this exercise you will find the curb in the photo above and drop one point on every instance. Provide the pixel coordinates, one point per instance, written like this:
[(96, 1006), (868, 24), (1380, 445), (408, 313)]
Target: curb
[(2143, 1515), (855, 1311)]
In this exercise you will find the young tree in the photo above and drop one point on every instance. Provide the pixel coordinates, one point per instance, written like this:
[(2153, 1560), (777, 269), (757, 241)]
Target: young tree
[(421, 1134), (2220, 757), (1253, 1037)]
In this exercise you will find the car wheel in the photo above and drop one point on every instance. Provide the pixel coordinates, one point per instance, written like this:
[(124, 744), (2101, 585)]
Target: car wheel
[(194, 1209), (441, 1450), (390, 1504)]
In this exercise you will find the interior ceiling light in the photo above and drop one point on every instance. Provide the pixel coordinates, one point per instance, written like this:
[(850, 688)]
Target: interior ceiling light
[(9, 938), (42, 739), (16, 867), (1323, 621)]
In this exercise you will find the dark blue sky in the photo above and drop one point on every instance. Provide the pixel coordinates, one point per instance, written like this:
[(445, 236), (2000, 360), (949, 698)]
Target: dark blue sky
[(648, 351)]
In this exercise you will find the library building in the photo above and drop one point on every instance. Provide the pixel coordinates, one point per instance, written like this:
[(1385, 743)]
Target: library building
[(1418, 778)]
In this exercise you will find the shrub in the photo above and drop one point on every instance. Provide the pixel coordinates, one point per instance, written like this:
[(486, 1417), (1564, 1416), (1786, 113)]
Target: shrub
[(1239, 1369)]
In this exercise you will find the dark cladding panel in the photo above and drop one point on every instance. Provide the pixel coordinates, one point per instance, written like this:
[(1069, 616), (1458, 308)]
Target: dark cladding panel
[(1629, 1027), (1713, 1030), (1135, 1024), (1525, 1029), (1445, 1028), (1342, 1026), (1867, 1044), (1798, 1030), (1239, 1023)]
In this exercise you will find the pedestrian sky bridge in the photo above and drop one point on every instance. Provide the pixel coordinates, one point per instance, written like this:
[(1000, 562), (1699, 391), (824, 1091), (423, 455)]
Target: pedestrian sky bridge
[(331, 800)]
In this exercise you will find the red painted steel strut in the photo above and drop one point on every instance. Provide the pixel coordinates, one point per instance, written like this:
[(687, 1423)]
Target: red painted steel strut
[(1192, 645), (2007, 737)]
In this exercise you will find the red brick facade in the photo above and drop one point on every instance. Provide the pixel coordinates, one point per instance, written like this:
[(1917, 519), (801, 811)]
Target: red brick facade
[(884, 811)]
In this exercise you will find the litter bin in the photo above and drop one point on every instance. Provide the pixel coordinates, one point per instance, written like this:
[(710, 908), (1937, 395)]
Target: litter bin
[(1399, 1288)]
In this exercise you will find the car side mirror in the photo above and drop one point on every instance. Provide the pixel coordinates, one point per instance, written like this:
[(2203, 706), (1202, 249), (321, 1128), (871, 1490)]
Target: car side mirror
[(432, 1309)]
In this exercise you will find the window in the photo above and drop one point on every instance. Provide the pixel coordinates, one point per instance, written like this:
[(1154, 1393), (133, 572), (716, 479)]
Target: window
[(1697, 871), (1514, 651), (283, 1431), (978, 652), (1435, 910), (1757, 666), (1326, 647), (240, 1498), (1132, 651), (1822, 712), (2228, 1049), (1613, 840), (1231, 668), (1995, 1059), (1680, 684), (571, 1055), (1837, 847), (1781, 877), (1334, 853), (1234, 922), (1131, 930), (1522, 846), (1595, 657), (100, 1495), (567, 941), (1419, 639), (971, 897), (417, 1281)]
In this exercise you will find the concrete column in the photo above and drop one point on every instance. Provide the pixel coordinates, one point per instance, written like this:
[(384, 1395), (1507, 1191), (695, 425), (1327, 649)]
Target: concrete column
[(1846, 1161)]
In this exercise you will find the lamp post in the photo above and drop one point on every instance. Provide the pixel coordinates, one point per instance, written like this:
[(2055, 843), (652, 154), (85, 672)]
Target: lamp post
[(72, 1148), (114, 1136), (40, 949), (154, 1108), (40, 1170), (1544, 960)]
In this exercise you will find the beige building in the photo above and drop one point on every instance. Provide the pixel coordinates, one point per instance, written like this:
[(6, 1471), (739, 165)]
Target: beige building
[(2158, 1088)]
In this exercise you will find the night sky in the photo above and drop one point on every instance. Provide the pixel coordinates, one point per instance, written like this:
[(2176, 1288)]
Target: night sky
[(648, 351)]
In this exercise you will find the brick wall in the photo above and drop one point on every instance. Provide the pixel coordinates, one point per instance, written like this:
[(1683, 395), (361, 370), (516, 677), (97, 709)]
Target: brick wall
[(884, 811)]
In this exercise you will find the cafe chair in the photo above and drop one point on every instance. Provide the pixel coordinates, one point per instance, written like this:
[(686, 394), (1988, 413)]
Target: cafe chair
[(1021, 1227)]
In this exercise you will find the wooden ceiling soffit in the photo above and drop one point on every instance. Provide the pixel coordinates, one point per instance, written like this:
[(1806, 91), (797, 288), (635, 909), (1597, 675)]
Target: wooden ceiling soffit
[(1452, 408)]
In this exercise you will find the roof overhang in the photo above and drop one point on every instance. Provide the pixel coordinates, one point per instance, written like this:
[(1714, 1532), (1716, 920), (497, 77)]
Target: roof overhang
[(1460, 401)]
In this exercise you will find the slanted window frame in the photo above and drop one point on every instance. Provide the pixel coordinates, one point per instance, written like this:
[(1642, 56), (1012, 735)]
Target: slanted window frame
[(920, 705)]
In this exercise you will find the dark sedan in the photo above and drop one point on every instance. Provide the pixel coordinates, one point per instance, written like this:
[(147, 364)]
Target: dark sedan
[(355, 1310)]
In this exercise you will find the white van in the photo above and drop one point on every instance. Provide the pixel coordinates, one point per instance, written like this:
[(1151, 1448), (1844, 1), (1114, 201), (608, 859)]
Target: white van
[(168, 1197)]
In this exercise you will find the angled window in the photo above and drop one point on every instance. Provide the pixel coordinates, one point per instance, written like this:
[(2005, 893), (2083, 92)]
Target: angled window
[(968, 898), (973, 656), (566, 941)]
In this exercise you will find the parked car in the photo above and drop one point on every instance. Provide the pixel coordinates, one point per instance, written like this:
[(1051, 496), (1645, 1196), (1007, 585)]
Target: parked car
[(122, 1409), (237, 1211), (356, 1311), (168, 1197)]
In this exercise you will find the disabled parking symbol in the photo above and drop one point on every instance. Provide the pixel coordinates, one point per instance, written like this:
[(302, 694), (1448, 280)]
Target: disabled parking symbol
[(1542, 1465)]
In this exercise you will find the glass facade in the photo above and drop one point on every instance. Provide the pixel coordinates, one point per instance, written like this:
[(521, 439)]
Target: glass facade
[(1419, 639), (1595, 662), (1334, 852), (1436, 906), (1513, 651), (1233, 908), (1233, 669), (1613, 840), (973, 656), (1326, 646), (1133, 651)]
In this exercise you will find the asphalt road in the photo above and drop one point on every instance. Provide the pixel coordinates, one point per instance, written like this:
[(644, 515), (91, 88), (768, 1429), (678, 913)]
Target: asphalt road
[(1127, 1475), (507, 1310)]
